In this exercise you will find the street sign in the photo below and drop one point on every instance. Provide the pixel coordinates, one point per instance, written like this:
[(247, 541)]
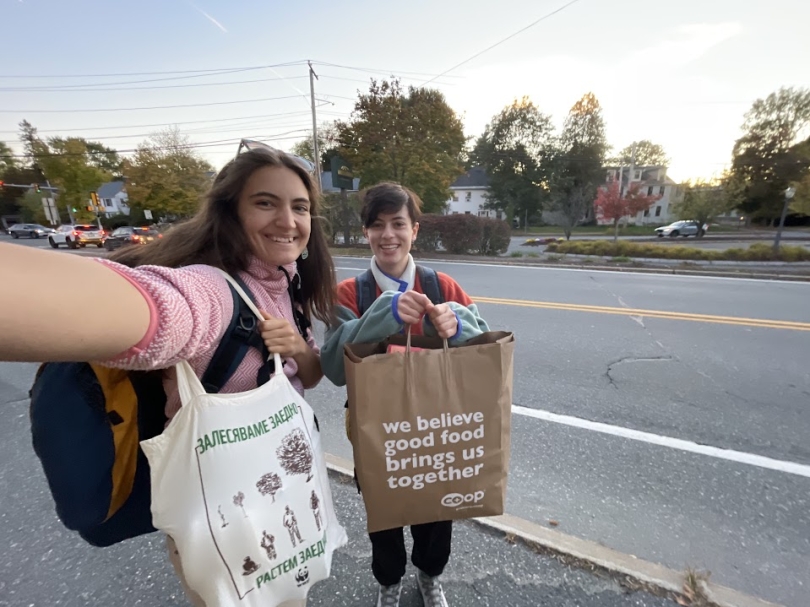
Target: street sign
[(147, 214), (342, 175), (51, 214)]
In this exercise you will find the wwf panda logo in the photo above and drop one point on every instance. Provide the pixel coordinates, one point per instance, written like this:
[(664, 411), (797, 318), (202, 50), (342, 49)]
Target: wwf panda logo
[(302, 577)]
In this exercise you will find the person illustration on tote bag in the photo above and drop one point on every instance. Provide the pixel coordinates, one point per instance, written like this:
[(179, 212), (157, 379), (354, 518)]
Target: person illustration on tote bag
[(394, 294)]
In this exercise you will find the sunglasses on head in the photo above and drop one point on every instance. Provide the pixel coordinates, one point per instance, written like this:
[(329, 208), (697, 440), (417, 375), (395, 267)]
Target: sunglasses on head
[(249, 144)]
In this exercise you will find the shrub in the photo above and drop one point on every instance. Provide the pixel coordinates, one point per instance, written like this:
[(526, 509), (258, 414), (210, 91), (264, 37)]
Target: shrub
[(495, 235), (430, 233), (461, 233), (516, 254)]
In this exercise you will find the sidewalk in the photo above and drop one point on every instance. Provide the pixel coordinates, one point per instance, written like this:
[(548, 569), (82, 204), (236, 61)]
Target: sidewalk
[(485, 571)]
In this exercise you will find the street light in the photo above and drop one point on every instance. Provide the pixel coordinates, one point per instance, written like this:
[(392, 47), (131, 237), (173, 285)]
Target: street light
[(789, 194)]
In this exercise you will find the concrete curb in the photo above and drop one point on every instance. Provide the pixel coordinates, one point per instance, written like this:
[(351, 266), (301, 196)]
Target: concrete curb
[(645, 572), (743, 272)]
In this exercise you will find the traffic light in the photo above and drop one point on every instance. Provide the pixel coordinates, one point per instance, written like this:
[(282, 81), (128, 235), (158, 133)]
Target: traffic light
[(73, 209), (2, 183), (94, 198), (90, 208)]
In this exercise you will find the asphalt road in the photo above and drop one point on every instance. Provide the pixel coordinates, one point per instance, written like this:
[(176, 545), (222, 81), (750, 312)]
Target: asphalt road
[(683, 440), (516, 243), (743, 389)]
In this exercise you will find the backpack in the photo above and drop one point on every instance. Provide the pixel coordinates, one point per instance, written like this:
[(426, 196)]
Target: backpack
[(87, 422), (366, 287)]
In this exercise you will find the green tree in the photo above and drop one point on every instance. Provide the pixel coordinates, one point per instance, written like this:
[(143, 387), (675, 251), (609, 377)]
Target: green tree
[(327, 145), (578, 166), (517, 148), (703, 201), (801, 201), (647, 153), (415, 139), (166, 176), (7, 159), (767, 158), (69, 165)]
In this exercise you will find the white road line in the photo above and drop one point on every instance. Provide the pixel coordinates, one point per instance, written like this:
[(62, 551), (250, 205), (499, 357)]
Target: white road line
[(739, 457), (587, 270)]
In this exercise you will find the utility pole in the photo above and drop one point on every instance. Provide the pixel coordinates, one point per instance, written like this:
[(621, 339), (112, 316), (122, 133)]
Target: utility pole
[(315, 152)]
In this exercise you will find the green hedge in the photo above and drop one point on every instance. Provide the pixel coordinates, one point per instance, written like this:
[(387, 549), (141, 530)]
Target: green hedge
[(623, 248), (462, 234)]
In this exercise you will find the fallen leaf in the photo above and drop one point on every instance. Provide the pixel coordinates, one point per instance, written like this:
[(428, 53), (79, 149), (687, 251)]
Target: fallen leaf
[(554, 523)]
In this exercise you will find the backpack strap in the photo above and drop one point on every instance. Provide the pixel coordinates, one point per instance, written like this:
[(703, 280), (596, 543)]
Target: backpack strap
[(365, 291), (240, 336), (429, 281)]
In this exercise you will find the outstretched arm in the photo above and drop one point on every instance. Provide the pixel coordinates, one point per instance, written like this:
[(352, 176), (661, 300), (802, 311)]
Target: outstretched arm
[(65, 307)]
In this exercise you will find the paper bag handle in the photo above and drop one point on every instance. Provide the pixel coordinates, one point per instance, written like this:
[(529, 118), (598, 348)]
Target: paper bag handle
[(408, 342)]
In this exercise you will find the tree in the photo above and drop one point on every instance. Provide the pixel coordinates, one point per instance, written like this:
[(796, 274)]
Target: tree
[(269, 484), (703, 201), (647, 153), (7, 159), (327, 145), (578, 166), (768, 157), (295, 455), (415, 139), (612, 205), (239, 500), (69, 165), (166, 176), (517, 149)]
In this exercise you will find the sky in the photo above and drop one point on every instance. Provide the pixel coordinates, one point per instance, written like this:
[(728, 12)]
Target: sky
[(681, 74)]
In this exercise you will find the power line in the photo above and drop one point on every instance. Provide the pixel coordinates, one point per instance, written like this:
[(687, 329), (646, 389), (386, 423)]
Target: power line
[(159, 124), (378, 71), (208, 71), (60, 89), (509, 37), (157, 107)]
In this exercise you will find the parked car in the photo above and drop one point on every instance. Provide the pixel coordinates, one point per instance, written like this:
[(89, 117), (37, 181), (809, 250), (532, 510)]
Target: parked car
[(79, 235), (130, 235), (682, 228), (29, 230)]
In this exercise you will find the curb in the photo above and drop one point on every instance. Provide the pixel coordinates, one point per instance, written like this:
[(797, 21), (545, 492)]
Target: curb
[(743, 273), (645, 572)]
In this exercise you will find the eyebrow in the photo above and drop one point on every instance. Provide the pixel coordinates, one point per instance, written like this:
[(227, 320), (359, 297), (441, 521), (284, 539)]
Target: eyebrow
[(271, 195)]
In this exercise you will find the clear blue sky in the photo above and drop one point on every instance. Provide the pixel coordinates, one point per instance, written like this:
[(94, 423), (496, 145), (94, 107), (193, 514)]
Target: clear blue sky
[(679, 73)]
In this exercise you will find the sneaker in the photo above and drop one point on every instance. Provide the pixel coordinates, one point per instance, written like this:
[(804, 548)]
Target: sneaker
[(431, 589), (388, 596)]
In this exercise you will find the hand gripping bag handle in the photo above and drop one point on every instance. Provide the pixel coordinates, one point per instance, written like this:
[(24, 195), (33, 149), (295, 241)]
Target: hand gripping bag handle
[(188, 384)]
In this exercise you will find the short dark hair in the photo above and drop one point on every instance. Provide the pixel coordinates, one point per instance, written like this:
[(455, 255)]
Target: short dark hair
[(388, 197)]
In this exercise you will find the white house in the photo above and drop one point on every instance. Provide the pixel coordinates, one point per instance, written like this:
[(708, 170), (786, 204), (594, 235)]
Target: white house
[(469, 195), (113, 195), (653, 181)]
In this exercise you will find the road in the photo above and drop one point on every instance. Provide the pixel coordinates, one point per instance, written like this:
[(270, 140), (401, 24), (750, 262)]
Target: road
[(673, 385), (516, 243), (683, 440)]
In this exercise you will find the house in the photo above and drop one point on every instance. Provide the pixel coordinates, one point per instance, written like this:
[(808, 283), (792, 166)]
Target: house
[(113, 195), (469, 195), (653, 181)]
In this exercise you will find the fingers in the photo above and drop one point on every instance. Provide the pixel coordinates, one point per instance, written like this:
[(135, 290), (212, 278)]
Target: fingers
[(444, 320), (411, 306)]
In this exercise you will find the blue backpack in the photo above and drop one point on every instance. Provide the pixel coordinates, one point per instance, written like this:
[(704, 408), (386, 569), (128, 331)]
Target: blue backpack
[(87, 421)]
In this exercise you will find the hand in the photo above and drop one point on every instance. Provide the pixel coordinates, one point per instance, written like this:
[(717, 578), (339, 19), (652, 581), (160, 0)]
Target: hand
[(281, 337), (443, 319), (411, 306)]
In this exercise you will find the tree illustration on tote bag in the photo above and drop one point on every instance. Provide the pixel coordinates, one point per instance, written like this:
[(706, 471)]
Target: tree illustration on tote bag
[(239, 500), (295, 455), (269, 484)]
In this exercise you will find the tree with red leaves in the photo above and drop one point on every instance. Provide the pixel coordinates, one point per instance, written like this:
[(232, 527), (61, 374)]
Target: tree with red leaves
[(611, 205)]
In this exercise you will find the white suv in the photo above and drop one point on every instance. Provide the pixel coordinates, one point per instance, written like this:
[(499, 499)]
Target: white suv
[(79, 235)]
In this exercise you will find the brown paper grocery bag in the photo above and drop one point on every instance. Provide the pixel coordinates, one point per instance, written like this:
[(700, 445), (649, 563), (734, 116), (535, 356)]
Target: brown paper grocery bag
[(430, 429)]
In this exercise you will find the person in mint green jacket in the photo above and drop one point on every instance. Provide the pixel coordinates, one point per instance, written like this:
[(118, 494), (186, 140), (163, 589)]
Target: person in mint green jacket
[(390, 216)]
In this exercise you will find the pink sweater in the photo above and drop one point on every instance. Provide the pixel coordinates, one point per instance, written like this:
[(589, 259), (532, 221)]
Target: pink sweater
[(190, 309)]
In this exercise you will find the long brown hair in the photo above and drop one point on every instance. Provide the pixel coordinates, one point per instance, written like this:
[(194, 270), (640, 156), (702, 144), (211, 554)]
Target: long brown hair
[(215, 237)]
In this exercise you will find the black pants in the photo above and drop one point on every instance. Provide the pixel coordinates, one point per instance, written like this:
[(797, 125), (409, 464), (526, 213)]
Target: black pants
[(431, 551)]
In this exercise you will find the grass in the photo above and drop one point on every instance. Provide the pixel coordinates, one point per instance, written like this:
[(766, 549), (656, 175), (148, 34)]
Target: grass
[(632, 230), (532, 254), (516, 254), (624, 250)]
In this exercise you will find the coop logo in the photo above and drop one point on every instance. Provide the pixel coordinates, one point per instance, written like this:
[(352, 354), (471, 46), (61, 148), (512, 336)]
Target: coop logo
[(457, 500), (302, 577)]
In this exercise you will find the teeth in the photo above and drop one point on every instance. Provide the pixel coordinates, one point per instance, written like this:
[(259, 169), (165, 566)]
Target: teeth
[(279, 239)]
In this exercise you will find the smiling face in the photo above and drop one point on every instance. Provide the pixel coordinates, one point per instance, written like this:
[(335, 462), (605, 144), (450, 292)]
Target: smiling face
[(274, 210), (391, 236)]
